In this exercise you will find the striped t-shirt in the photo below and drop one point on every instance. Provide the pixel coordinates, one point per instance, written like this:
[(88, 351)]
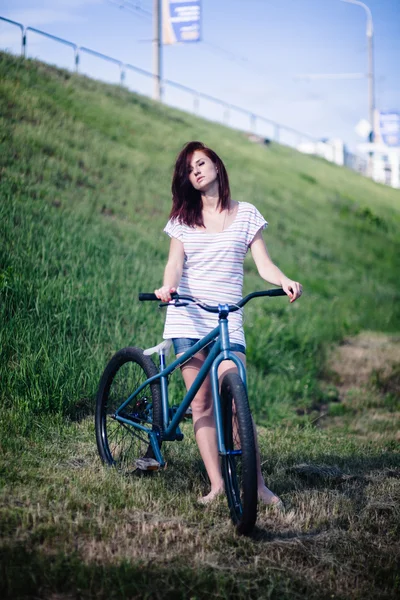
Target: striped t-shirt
[(213, 273)]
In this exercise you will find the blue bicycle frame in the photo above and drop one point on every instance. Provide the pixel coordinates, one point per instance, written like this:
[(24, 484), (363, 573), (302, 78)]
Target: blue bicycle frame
[(221, 351)]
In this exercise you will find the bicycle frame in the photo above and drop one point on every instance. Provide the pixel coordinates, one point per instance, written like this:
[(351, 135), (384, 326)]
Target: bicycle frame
[(219, 353)]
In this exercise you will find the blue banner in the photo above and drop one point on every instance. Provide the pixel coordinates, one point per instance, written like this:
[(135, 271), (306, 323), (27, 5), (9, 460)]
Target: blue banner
[(389, 127), (181, 21)]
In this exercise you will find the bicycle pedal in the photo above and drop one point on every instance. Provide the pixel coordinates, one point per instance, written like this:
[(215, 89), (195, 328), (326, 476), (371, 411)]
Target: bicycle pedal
[(188, 414), (147, 464)]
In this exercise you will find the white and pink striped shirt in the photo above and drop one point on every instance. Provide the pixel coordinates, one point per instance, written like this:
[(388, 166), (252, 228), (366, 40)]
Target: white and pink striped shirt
[(213, 273)]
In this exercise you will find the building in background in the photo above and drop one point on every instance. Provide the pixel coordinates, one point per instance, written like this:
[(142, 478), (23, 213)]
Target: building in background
[(385, 150), (333, 150), (383, 154)]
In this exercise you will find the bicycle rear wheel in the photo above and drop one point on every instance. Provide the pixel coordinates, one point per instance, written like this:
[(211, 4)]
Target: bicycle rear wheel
[(120, 444), (239, 465)]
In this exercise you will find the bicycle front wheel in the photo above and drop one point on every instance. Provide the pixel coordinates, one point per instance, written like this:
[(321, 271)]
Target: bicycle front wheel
[(239, 464), (121, 444)]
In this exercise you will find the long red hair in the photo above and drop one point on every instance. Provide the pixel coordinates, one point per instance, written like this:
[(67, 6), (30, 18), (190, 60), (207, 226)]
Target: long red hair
[(186, 200)]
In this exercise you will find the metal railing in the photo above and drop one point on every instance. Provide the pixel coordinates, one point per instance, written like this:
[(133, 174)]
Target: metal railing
[(276, 131)]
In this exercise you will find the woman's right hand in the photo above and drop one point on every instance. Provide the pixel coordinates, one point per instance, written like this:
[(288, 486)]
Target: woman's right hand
[(164, 293)]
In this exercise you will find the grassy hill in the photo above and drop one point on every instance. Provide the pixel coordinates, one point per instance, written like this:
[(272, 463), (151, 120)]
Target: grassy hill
[(85, 192)]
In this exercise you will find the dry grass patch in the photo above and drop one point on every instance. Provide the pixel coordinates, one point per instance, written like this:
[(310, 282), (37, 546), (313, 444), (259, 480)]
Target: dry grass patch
[(358, 358), (72, 527), (366, 373)]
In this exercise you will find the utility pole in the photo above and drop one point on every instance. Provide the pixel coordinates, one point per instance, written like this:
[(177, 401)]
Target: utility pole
[(157, 50), (371, 77)]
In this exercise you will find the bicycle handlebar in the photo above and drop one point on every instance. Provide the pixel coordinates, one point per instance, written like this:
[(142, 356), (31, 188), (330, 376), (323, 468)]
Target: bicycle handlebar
[(143, 297)]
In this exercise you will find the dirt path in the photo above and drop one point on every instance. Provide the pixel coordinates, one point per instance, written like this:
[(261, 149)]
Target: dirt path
[(365, 371)]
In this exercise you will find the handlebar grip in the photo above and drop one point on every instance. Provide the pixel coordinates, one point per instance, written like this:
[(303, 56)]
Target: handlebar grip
[(143, 296), (278, 292)]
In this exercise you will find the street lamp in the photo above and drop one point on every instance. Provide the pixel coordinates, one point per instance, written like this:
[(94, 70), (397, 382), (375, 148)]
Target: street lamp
[(371, 94)]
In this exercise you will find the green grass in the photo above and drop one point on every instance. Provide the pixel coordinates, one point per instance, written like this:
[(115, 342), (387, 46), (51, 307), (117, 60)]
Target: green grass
[(71, 527), (85, 192)]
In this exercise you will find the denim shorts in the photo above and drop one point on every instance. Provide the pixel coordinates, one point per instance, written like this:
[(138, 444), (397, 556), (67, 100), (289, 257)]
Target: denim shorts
[(181, 345)]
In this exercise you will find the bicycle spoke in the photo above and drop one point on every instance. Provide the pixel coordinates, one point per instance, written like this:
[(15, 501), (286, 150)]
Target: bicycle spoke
[(122, 443), (125, 440), (129, 432)]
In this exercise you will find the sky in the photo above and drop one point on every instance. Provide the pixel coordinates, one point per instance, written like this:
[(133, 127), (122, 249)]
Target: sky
[(251, 55)]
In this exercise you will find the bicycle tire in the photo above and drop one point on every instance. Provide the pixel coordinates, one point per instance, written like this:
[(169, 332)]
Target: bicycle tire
[(120, 444), (239, 471)]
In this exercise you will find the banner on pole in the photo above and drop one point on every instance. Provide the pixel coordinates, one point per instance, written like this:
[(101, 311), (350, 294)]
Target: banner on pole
[(181, 21), (389, 127)]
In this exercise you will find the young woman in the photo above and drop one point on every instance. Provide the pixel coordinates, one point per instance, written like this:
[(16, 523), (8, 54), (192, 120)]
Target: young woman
[(210, 235)]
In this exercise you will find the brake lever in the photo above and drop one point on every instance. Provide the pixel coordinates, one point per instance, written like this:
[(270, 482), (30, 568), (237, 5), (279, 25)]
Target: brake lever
[(176, 303)]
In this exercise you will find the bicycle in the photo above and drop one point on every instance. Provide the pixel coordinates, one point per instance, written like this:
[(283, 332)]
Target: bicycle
[(133, 417)]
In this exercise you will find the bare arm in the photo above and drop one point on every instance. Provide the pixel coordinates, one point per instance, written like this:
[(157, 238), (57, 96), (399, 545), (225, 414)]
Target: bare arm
[(269, 271), (173, 271)]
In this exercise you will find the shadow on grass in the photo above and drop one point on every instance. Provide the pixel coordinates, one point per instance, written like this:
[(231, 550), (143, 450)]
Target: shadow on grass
[(351, 479), (83, 408), (321, 473), (35, 573), (333, 471), (364, 565), (179, 477)]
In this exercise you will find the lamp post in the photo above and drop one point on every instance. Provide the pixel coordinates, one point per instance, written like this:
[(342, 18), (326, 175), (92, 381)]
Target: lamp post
[(371, 82)]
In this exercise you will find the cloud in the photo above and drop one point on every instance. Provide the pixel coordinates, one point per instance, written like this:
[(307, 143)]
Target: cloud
[(66, 11), (77, 3), (73, 4), (40, 17)]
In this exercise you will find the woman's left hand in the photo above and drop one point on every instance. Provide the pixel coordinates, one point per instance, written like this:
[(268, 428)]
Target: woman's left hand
[(293, 289)]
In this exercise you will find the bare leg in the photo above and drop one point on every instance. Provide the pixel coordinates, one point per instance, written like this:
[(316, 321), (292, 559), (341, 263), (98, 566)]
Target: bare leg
[(204, 426), (264, 493), (205, 431)]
